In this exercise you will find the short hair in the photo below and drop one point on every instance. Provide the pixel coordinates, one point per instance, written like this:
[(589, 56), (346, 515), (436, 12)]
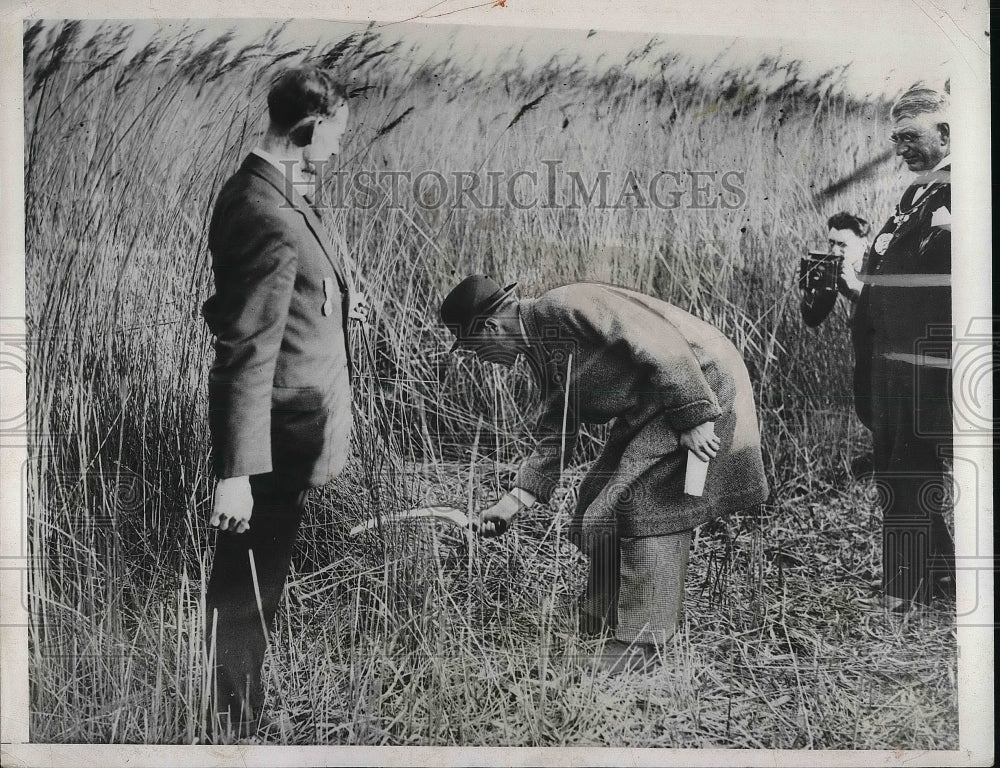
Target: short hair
[(920, 100), (299, 93), (845, 220)]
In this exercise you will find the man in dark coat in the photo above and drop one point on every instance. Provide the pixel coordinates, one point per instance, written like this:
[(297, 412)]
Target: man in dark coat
[(848, 241), (279, 388), (903, 322), (672, 385)]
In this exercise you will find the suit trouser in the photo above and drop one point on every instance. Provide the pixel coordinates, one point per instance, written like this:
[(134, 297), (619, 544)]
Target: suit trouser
[(912, 435), (240, 639), (635, 585)]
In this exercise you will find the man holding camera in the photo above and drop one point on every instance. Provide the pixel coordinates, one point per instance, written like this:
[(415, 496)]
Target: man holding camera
[(836, 272), (904, 318), (823, 277)]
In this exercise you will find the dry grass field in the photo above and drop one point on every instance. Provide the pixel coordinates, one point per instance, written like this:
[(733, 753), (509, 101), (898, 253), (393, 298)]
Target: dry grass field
[(421, 635)]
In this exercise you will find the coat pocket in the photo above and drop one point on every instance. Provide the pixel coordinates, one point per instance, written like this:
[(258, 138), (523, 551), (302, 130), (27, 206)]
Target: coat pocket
[(298, 428)]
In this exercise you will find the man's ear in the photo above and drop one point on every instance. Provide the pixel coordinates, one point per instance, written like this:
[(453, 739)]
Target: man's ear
[(491, 326), (944, 130), (301, 134)]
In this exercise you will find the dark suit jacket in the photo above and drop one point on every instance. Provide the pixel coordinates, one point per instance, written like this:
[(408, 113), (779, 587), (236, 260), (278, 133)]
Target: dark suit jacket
[(817, 304), (279, 388)]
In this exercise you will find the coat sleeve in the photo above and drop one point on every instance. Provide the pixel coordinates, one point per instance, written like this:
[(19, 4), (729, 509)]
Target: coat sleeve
[(816, 306), (861, 342), (255, 276), (539, 473), (674, 374), (935, 248)]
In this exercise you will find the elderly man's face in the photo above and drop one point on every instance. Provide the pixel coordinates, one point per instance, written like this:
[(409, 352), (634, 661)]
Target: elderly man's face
[(922, 141), (495, 344)]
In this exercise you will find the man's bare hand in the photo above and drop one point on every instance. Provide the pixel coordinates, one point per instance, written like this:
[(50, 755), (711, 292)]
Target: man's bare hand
[(497, 519), (851, 278), (359, 307), (233, 505), (702, 441)]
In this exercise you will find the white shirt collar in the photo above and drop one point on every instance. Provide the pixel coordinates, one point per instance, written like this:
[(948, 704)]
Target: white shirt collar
[(264, 155), (919, 192), (282, 165)]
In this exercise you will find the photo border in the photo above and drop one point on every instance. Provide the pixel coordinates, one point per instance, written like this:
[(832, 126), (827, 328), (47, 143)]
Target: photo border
[(960, 27)]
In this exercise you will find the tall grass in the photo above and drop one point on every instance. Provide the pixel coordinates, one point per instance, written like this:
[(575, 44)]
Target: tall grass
[(417, 635)]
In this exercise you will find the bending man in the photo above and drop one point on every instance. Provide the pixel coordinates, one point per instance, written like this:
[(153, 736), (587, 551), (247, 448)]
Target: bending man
[(671, 384)]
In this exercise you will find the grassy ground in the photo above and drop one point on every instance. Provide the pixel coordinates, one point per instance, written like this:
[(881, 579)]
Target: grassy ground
[(424, 637), (416, 638)]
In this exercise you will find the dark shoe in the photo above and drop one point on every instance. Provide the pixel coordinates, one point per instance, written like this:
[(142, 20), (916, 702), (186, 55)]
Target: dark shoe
[(944, 589), (896, 604), (618, 657), (942, 569), (863, 467)]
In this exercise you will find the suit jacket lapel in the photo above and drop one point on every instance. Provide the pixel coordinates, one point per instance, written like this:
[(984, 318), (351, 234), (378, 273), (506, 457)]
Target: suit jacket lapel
[(259, 166), (906, 201), (319, 232)]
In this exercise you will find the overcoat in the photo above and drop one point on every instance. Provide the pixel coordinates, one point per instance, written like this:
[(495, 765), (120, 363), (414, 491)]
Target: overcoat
[(279, 389), (905, 327), (903, 318), (604, 354)]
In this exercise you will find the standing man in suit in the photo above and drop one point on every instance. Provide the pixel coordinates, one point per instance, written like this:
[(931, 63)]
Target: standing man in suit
[(280, 386), (672, 385), (904, 320)]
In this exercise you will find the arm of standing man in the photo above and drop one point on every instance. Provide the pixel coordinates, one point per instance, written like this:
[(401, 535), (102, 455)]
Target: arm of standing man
[(255, 276)]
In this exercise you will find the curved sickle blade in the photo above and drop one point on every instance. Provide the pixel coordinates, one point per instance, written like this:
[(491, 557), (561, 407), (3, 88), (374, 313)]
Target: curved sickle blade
[(444, 514)]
